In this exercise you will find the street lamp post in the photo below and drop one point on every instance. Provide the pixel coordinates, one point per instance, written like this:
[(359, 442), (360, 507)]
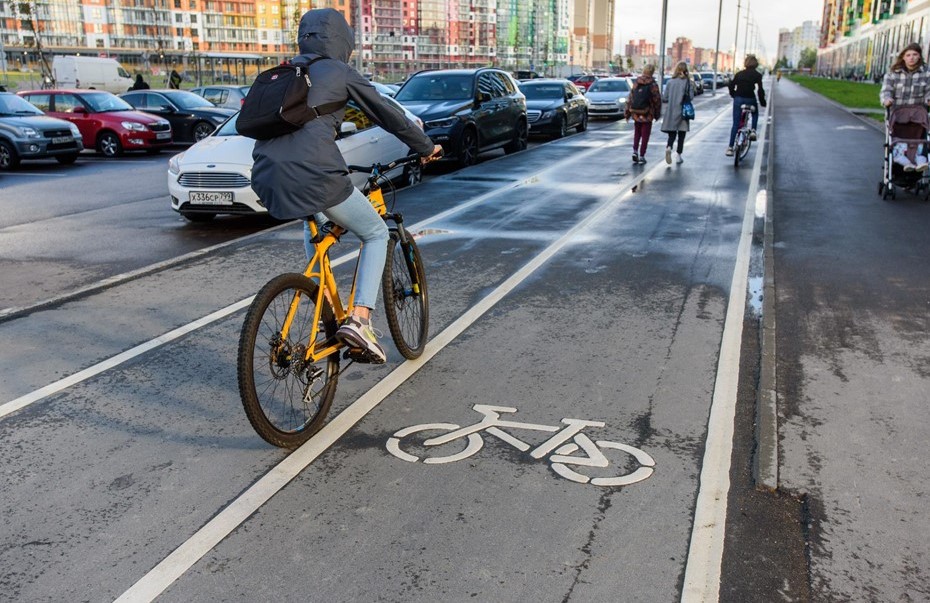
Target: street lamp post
[(736, 41), (717, 49), (662, 42)]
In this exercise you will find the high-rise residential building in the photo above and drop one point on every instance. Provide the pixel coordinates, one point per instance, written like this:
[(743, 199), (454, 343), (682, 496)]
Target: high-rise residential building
[(792, 42), (239, 37), (682, 49)]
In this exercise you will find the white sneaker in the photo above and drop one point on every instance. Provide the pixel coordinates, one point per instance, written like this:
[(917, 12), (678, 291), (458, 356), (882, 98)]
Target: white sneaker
[(904, 162), (678, 158), (668, 155), (729, 152), (922, 163)]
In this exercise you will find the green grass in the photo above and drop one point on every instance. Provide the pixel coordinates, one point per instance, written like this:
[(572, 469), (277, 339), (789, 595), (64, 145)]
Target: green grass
[(855, 95)]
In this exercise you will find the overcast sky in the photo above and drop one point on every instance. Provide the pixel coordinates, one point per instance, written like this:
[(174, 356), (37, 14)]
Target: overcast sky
[(697, 19)]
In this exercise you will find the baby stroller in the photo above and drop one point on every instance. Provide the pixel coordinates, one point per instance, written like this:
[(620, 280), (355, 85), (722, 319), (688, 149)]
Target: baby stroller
[(907, 142)]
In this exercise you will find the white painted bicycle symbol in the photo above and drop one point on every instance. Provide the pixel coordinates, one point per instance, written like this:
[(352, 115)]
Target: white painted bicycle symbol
[(564, 455)]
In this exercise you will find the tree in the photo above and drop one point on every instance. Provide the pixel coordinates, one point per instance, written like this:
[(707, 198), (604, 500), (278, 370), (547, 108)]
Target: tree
[(808, 58), (783, 63)]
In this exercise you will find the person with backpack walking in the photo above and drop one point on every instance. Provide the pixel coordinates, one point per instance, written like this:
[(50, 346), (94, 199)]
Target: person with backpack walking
[(645, 107), (677, 89), (303, 173), (743, 90)]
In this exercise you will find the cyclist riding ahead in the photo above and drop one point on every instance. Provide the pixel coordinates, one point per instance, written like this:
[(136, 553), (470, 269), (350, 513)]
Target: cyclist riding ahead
[(743, 90), (303, 174)]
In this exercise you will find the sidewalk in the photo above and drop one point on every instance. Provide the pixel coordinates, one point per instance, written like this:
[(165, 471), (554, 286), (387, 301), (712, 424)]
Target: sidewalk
[(853, 375)]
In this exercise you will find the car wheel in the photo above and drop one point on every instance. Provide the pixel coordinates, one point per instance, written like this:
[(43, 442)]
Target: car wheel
[(583, 125), (519, 139), (198, 217), (109, 145), (468, 148), (413, 173), (201, 130), (67, 159), (9, 160)]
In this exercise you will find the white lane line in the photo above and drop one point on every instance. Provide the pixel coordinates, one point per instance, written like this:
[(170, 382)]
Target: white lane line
[(705, 552), (182, 558)]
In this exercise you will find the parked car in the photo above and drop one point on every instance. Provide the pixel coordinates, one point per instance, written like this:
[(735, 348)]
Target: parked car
[(468, 111), (223, 95), (582, 81), (698, 83), (708, 77), (192, 117), (608, 97), (387, 89), (554, 106), (27, 133), (107, 122), (214, 175)]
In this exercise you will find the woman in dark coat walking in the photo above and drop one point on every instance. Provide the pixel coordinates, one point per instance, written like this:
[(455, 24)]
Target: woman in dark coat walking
[(301, 174), (645, 115), (678, 87)]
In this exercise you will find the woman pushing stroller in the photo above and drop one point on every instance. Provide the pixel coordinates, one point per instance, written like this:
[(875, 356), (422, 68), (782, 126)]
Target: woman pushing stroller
[(906, 93)]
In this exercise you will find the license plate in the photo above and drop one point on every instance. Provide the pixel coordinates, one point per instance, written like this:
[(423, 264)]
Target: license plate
[(61, 139), (162, 135), (211, 198)]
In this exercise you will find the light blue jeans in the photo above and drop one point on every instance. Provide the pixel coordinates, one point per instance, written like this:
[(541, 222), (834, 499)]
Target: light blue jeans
[(356, 215)]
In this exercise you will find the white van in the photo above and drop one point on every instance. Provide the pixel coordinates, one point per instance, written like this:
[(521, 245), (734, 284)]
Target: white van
[(90, 72)]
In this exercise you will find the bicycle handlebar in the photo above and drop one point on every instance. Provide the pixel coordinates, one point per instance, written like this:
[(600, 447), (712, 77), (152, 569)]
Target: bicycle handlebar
[(384, 167)]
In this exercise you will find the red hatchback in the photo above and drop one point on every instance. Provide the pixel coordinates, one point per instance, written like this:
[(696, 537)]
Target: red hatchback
[(107, 122)]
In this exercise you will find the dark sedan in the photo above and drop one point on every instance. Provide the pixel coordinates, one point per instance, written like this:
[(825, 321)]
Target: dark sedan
[(192, 117), (554, 106)]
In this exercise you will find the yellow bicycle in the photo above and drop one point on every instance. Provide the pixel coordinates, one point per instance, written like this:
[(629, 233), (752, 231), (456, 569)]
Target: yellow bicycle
[(288, 359)]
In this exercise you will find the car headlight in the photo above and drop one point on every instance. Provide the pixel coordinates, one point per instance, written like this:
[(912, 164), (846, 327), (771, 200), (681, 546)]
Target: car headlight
[(133, 126), (446, 122), (27, 132), (74, 130), (174, 164)]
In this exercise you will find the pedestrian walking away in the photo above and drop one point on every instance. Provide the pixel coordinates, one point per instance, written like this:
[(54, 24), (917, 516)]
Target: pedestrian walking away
[(743, 88), (905, 93), (678, 89), (302, 174), (174, 79), (644, 107), (140, 84)]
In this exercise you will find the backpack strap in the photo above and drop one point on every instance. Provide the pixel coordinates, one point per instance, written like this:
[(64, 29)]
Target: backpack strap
[(325, 108)]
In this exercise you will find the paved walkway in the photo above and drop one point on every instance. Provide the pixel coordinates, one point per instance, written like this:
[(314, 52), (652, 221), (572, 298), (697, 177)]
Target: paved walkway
[(853, 288)]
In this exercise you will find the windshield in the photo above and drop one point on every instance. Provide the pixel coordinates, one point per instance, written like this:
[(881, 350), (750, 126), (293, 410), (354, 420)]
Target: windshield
[(432, 87), (610, 86), (228, 128), (540, 91), (10, 104), (187, 100), (101, 102)]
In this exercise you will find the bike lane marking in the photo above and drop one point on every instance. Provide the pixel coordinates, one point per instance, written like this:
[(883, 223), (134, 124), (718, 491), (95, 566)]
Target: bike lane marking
[(172, 567), (705, 551)]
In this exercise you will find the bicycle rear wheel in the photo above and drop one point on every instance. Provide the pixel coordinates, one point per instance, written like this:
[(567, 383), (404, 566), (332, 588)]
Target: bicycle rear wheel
[(744, 148), (285, 397), (406, 302)]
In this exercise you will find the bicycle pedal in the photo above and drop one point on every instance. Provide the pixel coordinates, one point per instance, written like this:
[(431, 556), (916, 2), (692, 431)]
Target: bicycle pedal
[(361, 356)]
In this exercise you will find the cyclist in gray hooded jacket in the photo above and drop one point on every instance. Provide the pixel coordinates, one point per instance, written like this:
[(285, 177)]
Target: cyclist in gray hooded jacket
[(303, 173)]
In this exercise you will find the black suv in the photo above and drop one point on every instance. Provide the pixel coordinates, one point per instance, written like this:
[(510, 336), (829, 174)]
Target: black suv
[(468, 111)]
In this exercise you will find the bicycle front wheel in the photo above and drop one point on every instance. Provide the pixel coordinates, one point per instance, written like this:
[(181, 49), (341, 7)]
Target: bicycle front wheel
[(406, 302), (285, 396), (744, 148)]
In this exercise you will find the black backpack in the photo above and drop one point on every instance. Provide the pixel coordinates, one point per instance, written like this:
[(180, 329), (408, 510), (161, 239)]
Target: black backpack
[(277, 102), (641, 98)]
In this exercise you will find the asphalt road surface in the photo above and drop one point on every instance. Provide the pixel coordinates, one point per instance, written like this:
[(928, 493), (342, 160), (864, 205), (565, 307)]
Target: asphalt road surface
[(567, 285)]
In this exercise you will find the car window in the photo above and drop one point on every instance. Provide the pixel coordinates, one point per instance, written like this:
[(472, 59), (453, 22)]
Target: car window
[(610, 86), (156, 101), (572, 89), (228, 128), (217, 96), (437, 87), (501, 84), (66, 103), (356, 116), (540, 91), (42, 101), (484, 85), (104, 101), (10, 104), (186, 100)]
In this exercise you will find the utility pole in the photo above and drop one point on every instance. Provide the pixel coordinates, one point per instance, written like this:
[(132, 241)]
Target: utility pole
[(746, 35), (662, 44), (717, 49), (736, 41), (358, 26)]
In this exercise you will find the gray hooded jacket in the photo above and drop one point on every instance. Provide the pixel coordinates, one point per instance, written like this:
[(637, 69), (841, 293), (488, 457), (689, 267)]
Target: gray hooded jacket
[(303, 173)]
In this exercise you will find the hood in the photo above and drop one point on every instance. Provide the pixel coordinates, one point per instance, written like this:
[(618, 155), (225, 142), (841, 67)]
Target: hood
[(544, 104), (39, 122), (214, 150), (131, 115), (324, 32), (607, 96), (218, 112), (427, 110)]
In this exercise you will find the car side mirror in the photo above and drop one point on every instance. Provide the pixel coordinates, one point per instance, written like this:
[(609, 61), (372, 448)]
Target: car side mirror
[(569, 96), (79, 109), (347, 128), (483, 97)]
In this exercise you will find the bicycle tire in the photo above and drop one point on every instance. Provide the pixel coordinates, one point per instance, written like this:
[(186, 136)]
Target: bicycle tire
[(744, 148), (406, 307), (274, 382)]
